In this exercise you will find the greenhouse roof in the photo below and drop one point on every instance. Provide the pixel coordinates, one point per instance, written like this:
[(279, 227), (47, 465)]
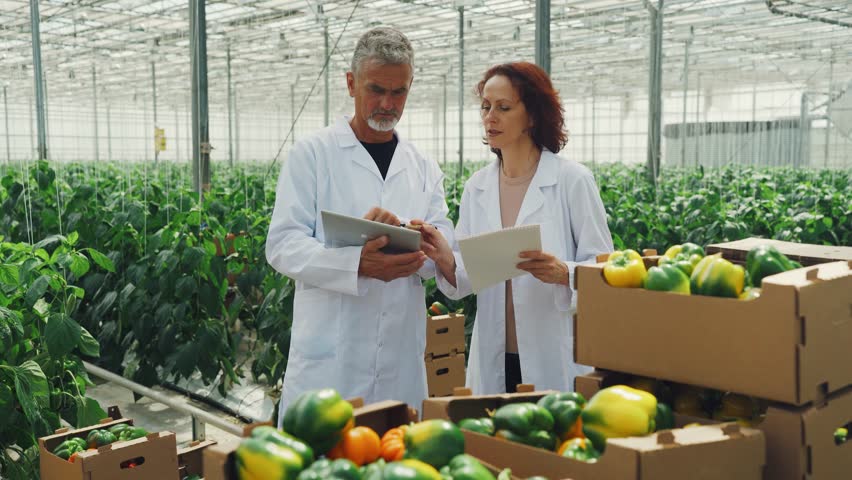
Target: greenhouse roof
[(595, 44)]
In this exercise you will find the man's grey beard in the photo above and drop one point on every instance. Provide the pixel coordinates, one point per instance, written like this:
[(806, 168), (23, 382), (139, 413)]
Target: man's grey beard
[(382, 125)]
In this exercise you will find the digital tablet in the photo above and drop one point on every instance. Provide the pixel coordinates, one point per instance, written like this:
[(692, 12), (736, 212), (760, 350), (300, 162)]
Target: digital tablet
[(345, 231)]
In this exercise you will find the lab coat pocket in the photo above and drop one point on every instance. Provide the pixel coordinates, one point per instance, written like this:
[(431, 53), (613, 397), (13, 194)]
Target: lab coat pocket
[(316, 314), (551, 237)]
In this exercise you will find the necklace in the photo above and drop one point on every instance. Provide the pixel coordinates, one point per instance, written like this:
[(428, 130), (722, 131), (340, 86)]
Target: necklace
[(529, 158)]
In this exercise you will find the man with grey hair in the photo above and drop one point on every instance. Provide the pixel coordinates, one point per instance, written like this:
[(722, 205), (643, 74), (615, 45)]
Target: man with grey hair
[(359, 318)]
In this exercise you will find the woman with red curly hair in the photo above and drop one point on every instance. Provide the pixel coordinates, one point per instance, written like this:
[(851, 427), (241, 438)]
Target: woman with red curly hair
[(524, 330)]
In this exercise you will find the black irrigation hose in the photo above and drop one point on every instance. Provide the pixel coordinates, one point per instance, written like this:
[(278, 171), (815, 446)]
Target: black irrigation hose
[(211, 402)]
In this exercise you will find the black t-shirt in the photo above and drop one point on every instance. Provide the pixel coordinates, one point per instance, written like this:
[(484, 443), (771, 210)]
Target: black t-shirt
[(382, 154)]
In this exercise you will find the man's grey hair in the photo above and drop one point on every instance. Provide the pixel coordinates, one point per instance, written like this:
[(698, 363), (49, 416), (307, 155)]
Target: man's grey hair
[(385, 45)]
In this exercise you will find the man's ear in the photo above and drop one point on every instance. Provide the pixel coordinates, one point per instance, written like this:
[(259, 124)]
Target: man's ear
[(350, 83)]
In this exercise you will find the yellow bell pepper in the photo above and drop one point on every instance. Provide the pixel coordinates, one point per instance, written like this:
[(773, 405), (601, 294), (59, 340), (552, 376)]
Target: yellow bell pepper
[(619, 411), (625, 269)]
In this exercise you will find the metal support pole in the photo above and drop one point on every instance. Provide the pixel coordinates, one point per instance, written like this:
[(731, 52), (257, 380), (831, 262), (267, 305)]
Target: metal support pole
[(230, 103), (683, 133), (655, 99), (804, 133), (6, 115), (542, 34), (756, 131), (177, 137), (39, 80), (199, 417), (95, 111), (828, 113), (292, 113), (154, 102), (236, 125), (109, 134), (444, 113), (594, 102), (327, 65), (32, 141), (200, 121), (699, 127), (461, 91)]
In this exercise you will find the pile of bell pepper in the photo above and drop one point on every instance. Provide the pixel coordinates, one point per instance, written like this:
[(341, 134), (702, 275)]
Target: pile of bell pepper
[(700, 403), (571, 426), (321, 441), (68, 449), (684, 269)]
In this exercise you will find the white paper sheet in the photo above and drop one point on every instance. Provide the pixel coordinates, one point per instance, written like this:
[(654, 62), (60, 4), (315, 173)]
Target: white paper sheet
[(490, 258)]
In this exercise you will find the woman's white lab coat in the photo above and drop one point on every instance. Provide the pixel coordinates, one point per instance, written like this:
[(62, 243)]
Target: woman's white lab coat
[(564, 199)]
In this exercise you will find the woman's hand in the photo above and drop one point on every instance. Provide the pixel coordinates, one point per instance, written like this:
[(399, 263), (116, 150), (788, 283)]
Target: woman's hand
[(435, 246), (544, 267)]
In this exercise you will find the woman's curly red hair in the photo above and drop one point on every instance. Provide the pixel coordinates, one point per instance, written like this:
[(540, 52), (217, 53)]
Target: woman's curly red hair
[(540, 99)]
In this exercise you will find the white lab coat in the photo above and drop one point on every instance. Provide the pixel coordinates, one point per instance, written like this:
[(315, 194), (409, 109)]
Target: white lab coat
[(564, 199), (359, 335)]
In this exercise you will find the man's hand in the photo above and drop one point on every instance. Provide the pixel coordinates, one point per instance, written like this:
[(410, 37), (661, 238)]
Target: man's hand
[(435, 246), (386, 267), (381, 215), (544, 267)]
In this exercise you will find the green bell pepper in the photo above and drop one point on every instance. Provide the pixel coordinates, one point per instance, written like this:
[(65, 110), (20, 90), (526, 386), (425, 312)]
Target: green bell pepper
[(132, 433), (260, 460), (483, 425), (580, 449), (525, 423), (434, 442), (765, 260), (409, 469), (438, 308), (340, 469), (565, 408), (841, 436), (272, 434), (319, 418), (667, 278), (619, 411), (373, 468), (69, 447), (465, 467), (99, 438), (685, 257), (664, 420), (717, 277), (117, 429)]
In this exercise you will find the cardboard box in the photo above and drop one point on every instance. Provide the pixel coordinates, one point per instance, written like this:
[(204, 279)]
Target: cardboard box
[(445, 335), (155, 456), (191, 458), (700, 453), (799, 440), (444, 373), (464, 405), (804, 253), (784, 346)]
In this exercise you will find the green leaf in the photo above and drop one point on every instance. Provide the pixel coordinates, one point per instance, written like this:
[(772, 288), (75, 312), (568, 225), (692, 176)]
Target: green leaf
[(62, 334), (49, 241), (31, 389), (77, 292), (88, 345), (8, 274), (89, 412), (10, 327), (79, 264), (37, 290), (72, 238), (101, 260)]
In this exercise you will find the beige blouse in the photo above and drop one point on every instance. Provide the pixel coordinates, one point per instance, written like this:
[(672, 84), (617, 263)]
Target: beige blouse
[(512, 191)]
